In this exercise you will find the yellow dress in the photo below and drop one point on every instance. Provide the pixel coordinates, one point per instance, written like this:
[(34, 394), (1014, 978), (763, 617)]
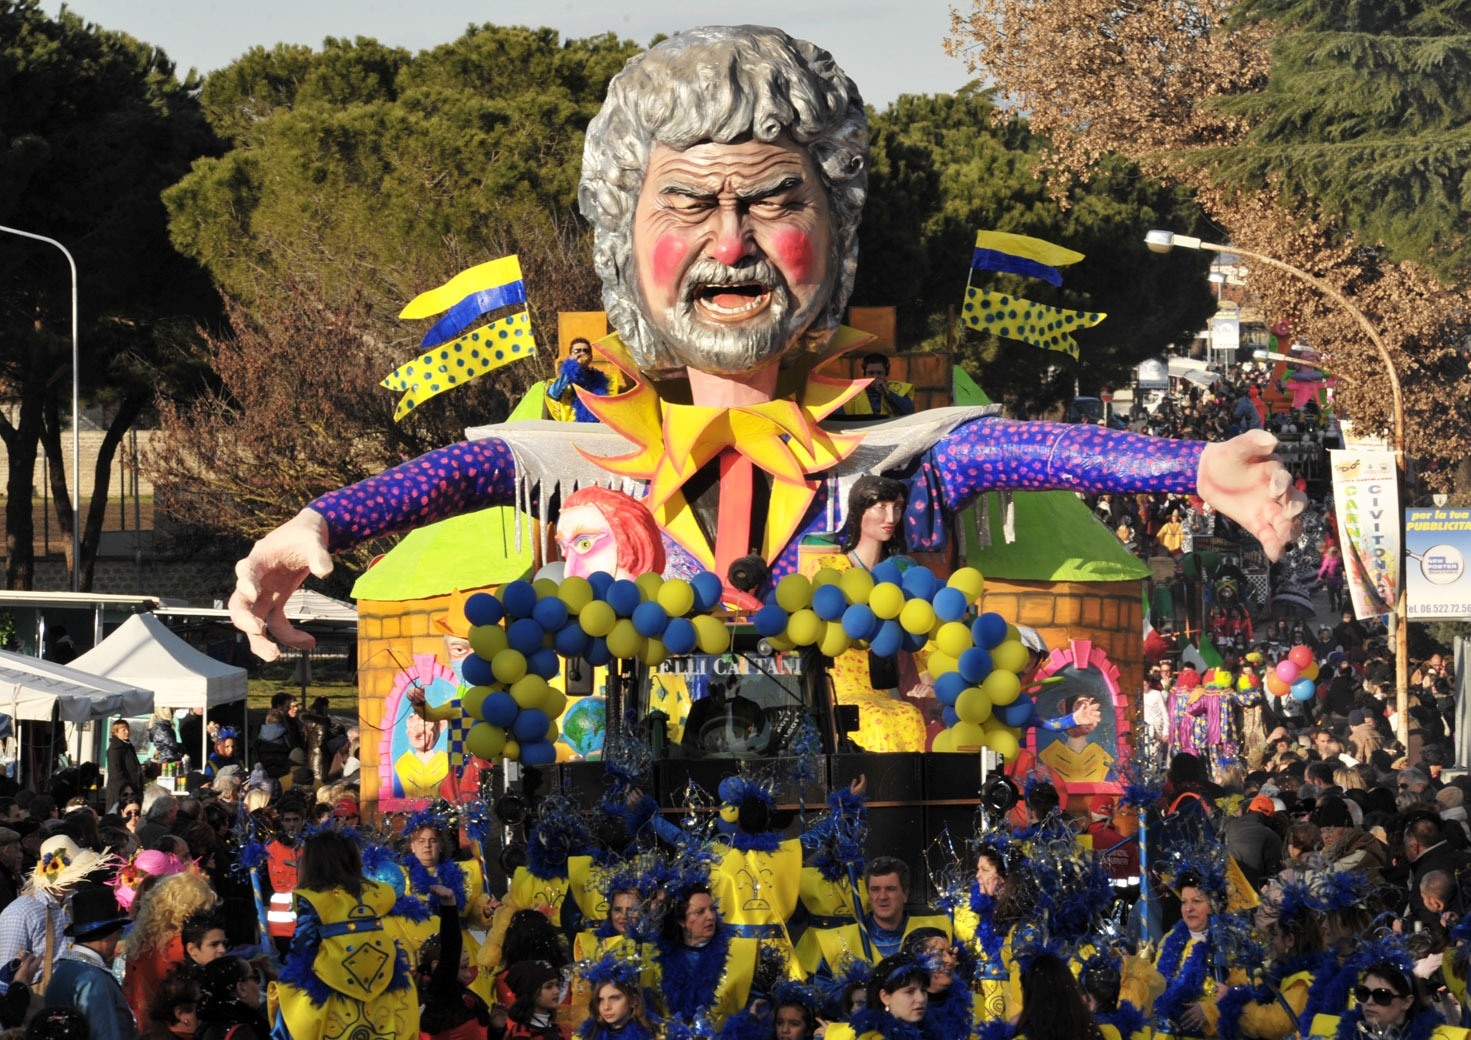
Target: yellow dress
[(355, 955), (884, 722), (1089, 766), (757, 894), (417, 933), (829, 906)]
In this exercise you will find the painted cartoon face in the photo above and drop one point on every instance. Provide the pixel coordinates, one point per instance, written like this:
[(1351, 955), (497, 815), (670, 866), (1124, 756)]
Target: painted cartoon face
[(587, 543), (880, 520), (733, 251)]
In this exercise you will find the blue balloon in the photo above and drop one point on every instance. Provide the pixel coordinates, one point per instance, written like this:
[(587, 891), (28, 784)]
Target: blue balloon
[(601, 582), (860, 622), (538, 753), (544, 663), (888, 571), (650, 619), (519, 599), (1304, 690), (887, 642), (950, 604), (1019, 712), (948, 716), (597, 653), (913, 642), (571, 640), (949, 687), (975, 665), (920, 582), (531, 725), (476, 671), (623, 597), (484, 609), (388, 872), (679, 636), (708, 590), (828, 602), (770, 620), (550, 613), (989, 630), (524, 635), (499, 709)]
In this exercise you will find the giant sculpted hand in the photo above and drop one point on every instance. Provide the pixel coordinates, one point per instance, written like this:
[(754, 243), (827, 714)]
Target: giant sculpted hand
[(275, 568), (1242, 479)]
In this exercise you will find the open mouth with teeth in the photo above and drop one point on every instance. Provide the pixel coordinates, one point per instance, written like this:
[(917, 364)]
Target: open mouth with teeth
[(732, 300)]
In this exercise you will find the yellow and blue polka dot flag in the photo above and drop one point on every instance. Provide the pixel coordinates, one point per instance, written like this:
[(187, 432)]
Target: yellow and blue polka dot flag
[(461, 360), (1012, 317)]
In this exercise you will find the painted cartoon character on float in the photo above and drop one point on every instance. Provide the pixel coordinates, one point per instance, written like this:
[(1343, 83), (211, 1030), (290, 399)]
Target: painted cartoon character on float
[(725, 178)]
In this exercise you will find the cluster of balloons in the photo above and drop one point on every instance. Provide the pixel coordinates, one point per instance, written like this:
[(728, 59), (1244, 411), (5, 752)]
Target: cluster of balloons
[(1297, 674), (517, 640), (974, 662)]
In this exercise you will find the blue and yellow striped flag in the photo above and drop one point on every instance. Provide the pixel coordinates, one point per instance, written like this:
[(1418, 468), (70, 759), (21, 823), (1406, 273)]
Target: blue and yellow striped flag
[(1020, 254)]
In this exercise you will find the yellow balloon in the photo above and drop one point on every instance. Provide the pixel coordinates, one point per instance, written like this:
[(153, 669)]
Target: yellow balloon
[(508, 666), (711, 636), (597, 618), (954, 639), (973, 705), (487, 641), (969, 581), (804, 627), (545, 587), (553, 732), (939, 664), (576, 592), (781, 644), (857, 584), (827, 576), (553, 702), (473, 698), (969, 736), (654, 653), (944, 741), (917, 617), (1011, 656), (886, 600), (529, 691), (1003, 743), (624, 640), (485, 740), (1012, 632), (1001, 688), (793, 593), (512, 750), (648, 585), (834, 640), (677, 597)]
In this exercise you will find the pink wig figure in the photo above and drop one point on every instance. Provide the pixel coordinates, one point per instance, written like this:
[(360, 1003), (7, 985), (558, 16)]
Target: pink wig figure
[(603, 530)]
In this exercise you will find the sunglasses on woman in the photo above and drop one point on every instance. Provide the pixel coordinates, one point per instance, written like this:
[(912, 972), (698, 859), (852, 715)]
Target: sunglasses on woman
[(1378, 995)]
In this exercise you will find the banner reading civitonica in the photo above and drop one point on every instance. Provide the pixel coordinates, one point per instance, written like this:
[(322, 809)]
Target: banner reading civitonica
[(1366, 496)]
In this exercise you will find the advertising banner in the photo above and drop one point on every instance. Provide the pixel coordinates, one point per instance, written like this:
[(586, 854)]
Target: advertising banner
[(1437, 546), (1366, 496)]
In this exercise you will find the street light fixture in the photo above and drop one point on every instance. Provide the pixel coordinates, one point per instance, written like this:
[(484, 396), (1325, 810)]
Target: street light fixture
[(1160, 241), (76, 412)]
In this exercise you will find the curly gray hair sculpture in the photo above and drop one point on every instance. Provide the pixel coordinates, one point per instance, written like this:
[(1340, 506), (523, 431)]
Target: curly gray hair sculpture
[(719, 84)]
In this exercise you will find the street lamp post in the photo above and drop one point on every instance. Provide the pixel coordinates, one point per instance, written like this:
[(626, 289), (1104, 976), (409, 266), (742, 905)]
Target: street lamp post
[(1163, 242), (76, 411)]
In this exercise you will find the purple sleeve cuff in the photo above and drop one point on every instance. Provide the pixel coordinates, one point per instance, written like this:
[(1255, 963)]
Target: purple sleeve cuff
[(1006, 455), (439, 484)]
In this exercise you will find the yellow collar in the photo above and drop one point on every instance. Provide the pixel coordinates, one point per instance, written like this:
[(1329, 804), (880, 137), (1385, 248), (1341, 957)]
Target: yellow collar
[(782, 438)]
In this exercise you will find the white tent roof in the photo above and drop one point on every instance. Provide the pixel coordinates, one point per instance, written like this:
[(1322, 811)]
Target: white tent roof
[(143, 650), (31, 689)]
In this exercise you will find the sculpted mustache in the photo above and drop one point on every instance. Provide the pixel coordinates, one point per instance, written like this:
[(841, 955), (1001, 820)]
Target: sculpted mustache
[(711, 272)]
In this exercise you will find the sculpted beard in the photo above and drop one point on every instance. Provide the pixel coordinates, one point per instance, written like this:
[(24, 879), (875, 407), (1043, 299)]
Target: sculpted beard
[(738, 347)]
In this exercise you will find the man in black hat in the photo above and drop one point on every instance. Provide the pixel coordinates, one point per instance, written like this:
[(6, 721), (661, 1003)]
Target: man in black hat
[(83, 977)]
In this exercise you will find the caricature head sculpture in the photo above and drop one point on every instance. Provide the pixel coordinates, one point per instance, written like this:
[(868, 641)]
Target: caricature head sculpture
[(661, 195), (603, 530)]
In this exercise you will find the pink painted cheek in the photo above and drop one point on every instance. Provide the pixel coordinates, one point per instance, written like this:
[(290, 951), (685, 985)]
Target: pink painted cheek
[(792, 250), (668, 260)]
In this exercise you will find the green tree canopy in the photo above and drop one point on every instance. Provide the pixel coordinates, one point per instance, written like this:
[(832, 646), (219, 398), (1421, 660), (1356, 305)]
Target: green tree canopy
[(944, 168)]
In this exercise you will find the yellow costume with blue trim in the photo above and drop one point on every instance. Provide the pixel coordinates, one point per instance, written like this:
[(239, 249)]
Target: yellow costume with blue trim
[(757, 894), (829, 906)]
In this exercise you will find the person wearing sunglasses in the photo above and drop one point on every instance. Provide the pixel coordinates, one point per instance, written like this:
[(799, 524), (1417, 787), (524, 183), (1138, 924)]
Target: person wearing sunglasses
[(1388, 1003)]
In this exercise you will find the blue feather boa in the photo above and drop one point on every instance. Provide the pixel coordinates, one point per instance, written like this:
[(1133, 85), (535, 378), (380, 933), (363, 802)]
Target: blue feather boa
[(1127, 1019), (952, 1016), (592, 1029), (1418, 1028), (1187, 979), (447, 873), (1329, 994), (761, 841), (690, 976), (878, 1020), (1233, 1003), (988, 940)]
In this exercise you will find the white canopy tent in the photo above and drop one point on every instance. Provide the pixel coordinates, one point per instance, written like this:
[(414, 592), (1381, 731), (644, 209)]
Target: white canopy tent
[(36, 690), (143, 650)]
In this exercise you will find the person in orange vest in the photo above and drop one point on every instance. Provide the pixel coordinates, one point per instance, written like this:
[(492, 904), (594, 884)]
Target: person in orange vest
[(281, 854)]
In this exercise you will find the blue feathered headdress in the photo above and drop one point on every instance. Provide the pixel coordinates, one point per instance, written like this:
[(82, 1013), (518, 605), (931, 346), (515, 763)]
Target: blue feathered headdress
[(560, 832)]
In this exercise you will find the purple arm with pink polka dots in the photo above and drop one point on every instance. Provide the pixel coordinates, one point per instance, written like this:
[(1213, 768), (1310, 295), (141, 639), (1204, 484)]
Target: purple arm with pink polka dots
[(985, 455)]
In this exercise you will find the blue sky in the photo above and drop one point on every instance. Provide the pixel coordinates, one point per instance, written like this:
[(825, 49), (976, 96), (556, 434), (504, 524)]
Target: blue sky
[(889, 47)]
